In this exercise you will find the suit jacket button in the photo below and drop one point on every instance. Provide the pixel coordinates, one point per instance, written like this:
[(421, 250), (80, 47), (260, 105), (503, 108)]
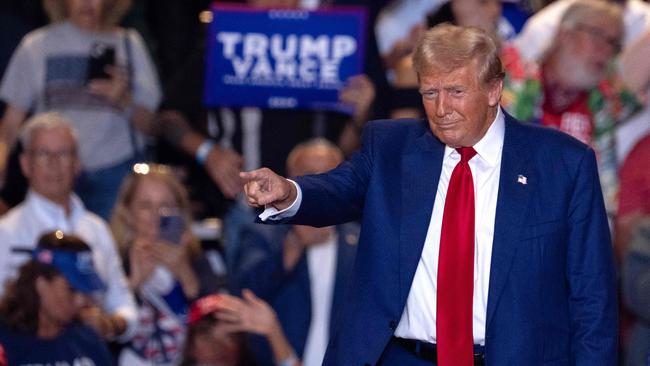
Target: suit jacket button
[(392, 324)]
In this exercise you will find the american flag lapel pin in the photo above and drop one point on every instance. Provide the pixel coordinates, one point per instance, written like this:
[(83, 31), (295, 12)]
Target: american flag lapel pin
[(522, 179)]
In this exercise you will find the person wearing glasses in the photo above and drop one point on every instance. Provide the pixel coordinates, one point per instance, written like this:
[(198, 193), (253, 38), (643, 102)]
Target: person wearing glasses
[(51, 164), (97, 74), (573, 86), (164, 262)]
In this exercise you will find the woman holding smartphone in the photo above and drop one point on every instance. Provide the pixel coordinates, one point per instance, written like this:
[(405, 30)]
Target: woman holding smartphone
[(164, 262)]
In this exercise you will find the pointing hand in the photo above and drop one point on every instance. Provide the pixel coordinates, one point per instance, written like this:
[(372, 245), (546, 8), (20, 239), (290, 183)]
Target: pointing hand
[(263, 187)]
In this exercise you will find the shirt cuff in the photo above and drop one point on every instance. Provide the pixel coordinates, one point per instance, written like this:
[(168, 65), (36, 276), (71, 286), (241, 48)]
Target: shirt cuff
[(273, 214)]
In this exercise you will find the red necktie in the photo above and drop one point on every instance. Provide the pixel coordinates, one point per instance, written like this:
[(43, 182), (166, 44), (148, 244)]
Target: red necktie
[(456, 268)]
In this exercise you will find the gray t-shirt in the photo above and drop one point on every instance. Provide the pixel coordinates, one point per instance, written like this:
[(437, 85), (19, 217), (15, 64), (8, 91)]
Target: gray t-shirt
[(48, 72)]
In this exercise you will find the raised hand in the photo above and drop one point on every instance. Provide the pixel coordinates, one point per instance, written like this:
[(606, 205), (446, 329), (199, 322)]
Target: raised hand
[(141, 262), (248, 314), (116, 88), (359, 92), (223, 166), (263, 187)]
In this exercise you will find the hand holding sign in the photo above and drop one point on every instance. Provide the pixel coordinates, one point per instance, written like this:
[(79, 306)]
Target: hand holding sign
[(359, 92)]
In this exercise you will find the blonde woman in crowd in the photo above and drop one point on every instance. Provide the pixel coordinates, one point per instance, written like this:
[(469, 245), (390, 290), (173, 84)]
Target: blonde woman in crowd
[(165, 265)]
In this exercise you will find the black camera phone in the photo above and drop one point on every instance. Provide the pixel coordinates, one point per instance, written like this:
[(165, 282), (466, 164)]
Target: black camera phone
[(101, 55), (172, 226)]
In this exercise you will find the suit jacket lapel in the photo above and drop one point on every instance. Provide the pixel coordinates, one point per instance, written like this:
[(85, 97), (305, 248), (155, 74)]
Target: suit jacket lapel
[(420, 174), (511, 206)]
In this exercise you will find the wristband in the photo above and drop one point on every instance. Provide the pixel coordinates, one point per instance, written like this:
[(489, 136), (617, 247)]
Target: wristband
[(202, 152)]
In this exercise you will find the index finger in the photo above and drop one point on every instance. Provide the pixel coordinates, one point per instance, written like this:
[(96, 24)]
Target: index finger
[(253, 175)]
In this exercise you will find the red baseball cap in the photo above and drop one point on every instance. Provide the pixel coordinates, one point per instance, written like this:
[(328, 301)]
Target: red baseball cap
[(203, 307)]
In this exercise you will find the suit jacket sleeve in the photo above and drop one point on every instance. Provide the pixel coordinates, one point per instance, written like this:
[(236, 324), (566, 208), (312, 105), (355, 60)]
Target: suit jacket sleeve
[(590, 271), (338, 196)]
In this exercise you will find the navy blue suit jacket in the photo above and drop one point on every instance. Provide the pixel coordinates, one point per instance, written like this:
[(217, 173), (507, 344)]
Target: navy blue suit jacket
[(260, 268), (552, 298)]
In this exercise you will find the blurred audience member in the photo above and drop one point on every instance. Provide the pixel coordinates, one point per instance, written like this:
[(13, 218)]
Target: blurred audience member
[(539, 30), (216, 326), (301, 271), (636, 292), (40, 310), (636, 76), (634, 198), (98, 75), (573, 88), (164, 262), (50, 163)]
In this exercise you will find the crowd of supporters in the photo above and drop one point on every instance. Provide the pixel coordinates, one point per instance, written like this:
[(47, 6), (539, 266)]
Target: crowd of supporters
[(123, 236)]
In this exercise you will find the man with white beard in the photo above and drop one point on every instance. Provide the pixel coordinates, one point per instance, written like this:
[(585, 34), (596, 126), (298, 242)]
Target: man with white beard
[(572, 87)]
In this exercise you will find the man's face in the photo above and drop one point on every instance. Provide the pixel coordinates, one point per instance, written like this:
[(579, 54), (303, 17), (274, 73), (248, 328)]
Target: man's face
[(587, 49), (460, 109), (51, 163)]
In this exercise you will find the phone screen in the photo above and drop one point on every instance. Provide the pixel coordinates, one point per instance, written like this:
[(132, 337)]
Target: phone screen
[(101, 55), (171, 227)]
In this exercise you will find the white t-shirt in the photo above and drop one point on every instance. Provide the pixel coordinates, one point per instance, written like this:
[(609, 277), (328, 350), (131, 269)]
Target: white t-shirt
[(48, 71)]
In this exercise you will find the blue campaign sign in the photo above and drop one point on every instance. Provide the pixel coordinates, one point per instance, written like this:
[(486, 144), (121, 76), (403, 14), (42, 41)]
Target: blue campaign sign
[(282, 58)]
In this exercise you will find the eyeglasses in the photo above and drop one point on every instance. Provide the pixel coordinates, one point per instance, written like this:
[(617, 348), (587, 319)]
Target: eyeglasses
[(613, 41), (44, 156)]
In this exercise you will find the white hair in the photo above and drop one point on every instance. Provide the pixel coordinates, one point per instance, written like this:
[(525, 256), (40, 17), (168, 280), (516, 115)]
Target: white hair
[(44, 121)]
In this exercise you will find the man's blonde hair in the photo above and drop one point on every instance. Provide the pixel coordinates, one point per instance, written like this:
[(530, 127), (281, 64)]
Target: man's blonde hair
[(447, 47)]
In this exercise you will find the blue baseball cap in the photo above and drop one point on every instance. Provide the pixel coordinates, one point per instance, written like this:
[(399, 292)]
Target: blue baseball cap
[(76, 267)]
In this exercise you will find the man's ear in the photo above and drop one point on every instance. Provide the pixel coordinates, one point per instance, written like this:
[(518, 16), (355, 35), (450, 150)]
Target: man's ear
[(494, 92)]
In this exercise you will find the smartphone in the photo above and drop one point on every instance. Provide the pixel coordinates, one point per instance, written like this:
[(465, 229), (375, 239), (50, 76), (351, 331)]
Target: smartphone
[(172, 226), (101, 55)]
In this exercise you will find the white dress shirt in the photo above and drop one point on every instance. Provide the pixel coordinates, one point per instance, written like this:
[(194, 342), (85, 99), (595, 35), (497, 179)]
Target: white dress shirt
[(419, 317), (24, 224), (321, 263)]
